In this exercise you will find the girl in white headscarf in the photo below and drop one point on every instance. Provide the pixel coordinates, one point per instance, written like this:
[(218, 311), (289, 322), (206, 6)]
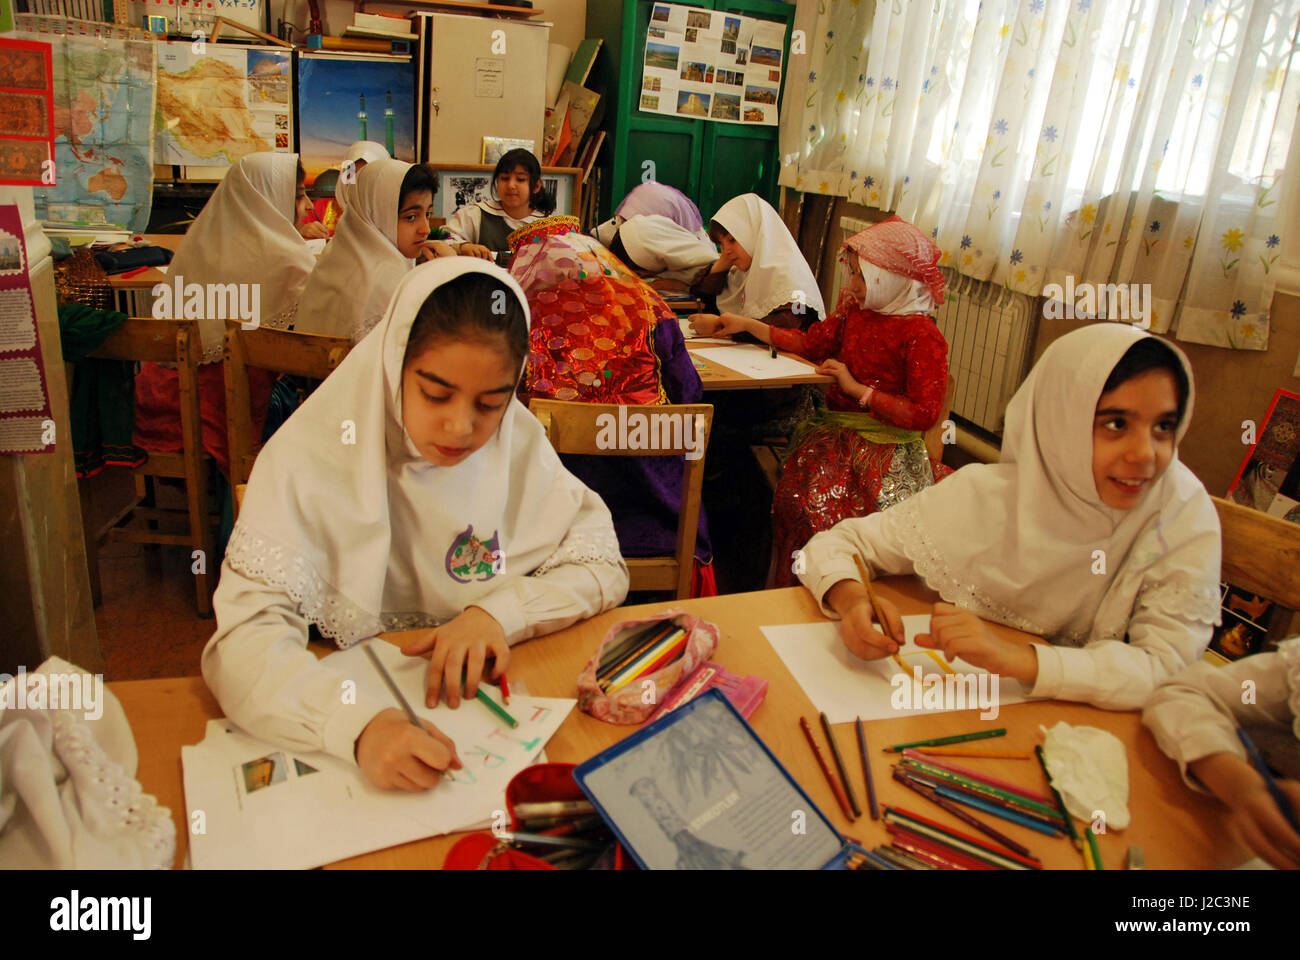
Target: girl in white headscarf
[(1090, 533), (761, 273), (658, 232), (377, 243), (441, 505), (244, 236)]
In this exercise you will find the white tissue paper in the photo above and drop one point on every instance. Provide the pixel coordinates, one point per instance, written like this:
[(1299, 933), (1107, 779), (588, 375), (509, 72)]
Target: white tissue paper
[(1089, 768)]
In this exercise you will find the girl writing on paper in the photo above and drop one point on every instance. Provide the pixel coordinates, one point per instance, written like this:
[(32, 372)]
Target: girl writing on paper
[(864, 451), (658, 232), (625, 348), (378, 241), (481, 229), (1089, 533), (245, 236), (1194, 717), (761, 274), (440, 504)]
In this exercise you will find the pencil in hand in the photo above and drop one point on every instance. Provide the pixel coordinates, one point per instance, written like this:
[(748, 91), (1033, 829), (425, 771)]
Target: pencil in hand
[(879, 613), (401, 700)]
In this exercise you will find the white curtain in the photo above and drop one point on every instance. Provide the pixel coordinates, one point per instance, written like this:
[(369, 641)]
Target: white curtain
[(1113, 141)]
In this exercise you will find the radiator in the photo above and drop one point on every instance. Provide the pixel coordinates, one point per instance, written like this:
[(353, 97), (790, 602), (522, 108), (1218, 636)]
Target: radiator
[(990, 332)]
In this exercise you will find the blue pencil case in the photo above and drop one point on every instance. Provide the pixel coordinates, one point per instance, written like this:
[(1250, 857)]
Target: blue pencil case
[(697, 789)]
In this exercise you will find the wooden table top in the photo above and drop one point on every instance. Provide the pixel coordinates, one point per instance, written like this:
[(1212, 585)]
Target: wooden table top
[(715, 376), (1174, 826), (151, 276)]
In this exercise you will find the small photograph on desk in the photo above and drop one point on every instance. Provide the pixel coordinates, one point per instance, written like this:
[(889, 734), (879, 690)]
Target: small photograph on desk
[(263, 772)]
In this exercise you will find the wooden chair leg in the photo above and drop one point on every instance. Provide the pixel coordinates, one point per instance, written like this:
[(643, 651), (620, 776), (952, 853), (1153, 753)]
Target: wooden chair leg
[(197, 500)]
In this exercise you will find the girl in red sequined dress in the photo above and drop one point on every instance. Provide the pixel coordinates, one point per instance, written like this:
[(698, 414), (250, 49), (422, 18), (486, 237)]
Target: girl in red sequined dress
[(865, 451)]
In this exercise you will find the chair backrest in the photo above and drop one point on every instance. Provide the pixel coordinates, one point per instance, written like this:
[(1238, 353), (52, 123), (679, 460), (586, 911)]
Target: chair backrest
[(1261, 554), (934, 436), (147, 340), (675, 430), (280, 351)]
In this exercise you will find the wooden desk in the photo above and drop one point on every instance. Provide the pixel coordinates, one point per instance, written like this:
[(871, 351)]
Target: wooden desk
[(1174, 827), (715, 376), (125, 288)]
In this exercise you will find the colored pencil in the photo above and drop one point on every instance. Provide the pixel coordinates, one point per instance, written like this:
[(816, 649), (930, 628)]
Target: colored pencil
[(643, 644), (1003, 811), (882, 863), (958, 790), (621, 649), (554, 808), (976, 752), (941, 741), (539, 840), (826, 771), (839, 765), (496, 708), (660, 657), (879, 612), (401, 700), (979, 786), (982, 777), (650, 649), (1279, 797), (938, 658), (1060, 803), (901, 859), (505, 690), (963, 843), (866, 772), (908, 843), (675, 641), (1087, 858), (1092, 848), (933, 795)]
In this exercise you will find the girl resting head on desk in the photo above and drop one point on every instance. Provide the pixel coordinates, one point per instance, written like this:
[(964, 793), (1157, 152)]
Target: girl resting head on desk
[(384, 231), (761, 273), (1089, 533), (410, 490)]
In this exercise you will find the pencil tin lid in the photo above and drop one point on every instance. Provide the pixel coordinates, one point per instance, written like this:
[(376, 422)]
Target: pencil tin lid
[(697, 789)]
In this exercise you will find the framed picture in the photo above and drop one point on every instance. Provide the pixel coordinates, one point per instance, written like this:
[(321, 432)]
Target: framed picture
[(344, 99), (1268, 477), (463, 183), (496, 147)]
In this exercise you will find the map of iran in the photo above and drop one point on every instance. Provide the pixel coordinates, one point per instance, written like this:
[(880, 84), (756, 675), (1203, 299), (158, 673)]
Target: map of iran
[(218, 106)]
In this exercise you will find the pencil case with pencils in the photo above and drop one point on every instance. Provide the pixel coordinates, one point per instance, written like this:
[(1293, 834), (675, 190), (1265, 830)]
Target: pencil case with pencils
[(640, 661), (549, 825)]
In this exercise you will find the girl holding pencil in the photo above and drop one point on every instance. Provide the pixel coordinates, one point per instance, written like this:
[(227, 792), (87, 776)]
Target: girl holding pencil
[(1089, 533)]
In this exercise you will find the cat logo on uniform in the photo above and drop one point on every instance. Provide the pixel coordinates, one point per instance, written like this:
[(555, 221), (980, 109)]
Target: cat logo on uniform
[(470, 558)]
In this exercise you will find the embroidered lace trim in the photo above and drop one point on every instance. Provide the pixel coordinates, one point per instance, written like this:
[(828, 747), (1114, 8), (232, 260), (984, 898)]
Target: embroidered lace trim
[(584, 548), (1187, 599), (283, 320), (1289, 650), (112, 803), (267, 562), (933, 569)]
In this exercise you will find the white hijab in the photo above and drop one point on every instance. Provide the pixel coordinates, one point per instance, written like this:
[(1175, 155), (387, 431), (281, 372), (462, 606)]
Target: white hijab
[(1021, 535), (777, 273), (245, 234), (660, 245), (362, 534), (892, 294), (356, 275), (366, 150)]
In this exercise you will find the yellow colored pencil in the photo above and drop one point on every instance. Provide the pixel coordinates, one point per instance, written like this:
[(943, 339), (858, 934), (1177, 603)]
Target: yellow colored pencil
[(947, 668), (880, 614), (1087, 859)]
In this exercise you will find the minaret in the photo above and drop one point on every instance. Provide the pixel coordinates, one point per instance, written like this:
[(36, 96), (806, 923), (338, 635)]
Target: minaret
[(361, 116), (388, 124)]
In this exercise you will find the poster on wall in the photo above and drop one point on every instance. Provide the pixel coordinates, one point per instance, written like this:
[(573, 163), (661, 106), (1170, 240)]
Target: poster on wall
[(343, 99), (25, 424), (712, 65), (26, 112), (217, 104)]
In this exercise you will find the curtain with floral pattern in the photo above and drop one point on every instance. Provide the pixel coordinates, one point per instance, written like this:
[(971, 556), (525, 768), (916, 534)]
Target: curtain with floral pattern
[(1108, 141)]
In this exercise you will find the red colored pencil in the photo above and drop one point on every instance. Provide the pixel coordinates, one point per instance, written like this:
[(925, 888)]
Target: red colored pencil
[(826, 770), (505, 689), (976, 775), (957, 857), (132, 273), (959, 835)]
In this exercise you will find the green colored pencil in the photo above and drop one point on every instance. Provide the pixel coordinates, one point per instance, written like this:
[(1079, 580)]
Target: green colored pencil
[(979, 786), (496, 708), (1092, 845), (1060, 802), (941, 741)]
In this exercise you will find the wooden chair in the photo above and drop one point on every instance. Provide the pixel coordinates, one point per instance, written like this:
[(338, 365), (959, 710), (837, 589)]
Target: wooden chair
[(1261, 554), (163, 341), (280, 351), (934, 445), (573, 428)]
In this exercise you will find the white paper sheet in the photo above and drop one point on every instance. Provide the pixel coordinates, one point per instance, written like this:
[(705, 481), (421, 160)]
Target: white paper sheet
[(846, 687), (754, 361), (304, 818)]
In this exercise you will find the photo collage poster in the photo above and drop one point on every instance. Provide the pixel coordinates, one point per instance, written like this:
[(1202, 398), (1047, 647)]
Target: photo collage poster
[(712, 65)]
